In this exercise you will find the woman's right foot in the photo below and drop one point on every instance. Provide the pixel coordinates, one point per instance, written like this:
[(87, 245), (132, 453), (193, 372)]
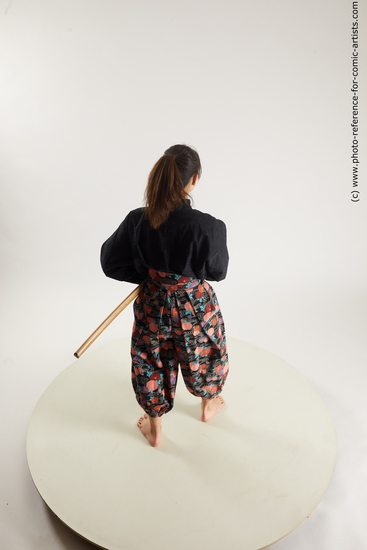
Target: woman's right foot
[(149, 430), (210, 407)]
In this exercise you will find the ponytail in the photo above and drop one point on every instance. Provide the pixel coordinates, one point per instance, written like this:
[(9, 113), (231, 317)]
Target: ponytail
[(166, 182)]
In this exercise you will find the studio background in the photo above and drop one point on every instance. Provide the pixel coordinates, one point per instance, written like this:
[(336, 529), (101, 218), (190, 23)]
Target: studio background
[(92, 93)]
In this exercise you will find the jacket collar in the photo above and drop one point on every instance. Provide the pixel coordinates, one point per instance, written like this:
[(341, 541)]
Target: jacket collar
[(186, 202)]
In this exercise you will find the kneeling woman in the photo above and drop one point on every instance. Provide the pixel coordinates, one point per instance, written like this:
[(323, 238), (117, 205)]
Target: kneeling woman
[(174, 250)]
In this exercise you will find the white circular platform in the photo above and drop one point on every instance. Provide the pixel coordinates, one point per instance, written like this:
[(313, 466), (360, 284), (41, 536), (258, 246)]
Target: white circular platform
[(242, 481)]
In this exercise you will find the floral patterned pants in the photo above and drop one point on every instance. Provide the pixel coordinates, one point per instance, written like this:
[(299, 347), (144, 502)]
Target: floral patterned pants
[(177, 320)]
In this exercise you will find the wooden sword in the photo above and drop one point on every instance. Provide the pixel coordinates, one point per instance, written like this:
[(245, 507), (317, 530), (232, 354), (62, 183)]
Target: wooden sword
[(108, 320)]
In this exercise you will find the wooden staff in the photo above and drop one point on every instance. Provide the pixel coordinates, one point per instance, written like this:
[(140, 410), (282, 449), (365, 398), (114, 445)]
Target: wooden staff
[(107, 321)]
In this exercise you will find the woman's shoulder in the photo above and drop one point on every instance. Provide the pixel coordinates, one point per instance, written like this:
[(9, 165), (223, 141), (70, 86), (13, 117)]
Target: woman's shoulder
[(208, 219), (135, 214), (185, 215)]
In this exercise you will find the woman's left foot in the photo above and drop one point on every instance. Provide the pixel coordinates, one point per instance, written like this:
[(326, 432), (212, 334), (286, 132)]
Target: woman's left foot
[(210, 407), (149, 430)]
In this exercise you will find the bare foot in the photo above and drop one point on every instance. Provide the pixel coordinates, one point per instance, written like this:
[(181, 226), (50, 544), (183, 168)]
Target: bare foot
[(151, 429), (211, 406)]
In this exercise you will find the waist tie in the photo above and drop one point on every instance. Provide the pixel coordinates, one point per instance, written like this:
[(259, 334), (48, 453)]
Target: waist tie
[(171, 281)]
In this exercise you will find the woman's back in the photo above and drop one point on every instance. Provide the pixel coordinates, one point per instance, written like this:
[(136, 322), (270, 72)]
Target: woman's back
[(190, 243)]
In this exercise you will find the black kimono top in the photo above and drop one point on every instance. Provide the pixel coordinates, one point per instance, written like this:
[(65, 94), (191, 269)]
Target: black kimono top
[(189, 243)]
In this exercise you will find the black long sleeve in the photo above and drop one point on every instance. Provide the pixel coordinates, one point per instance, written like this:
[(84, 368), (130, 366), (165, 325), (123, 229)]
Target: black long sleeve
[(190, 243), (116, 256)]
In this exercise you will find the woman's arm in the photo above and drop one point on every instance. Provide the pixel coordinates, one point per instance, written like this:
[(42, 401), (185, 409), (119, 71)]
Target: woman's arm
[(217, 264), (116, 256)]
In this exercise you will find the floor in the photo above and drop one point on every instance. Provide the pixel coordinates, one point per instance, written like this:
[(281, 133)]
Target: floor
[(321, 334)]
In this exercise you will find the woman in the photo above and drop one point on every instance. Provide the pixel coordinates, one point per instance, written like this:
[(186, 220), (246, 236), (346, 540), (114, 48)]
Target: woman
[(177, 319)]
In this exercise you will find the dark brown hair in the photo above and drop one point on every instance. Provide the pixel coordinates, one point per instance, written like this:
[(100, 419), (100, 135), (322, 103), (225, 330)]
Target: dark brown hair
[(166, 182)]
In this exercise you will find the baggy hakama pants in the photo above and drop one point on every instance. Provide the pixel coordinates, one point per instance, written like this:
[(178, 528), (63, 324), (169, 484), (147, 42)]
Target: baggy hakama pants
[(177, 320)]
